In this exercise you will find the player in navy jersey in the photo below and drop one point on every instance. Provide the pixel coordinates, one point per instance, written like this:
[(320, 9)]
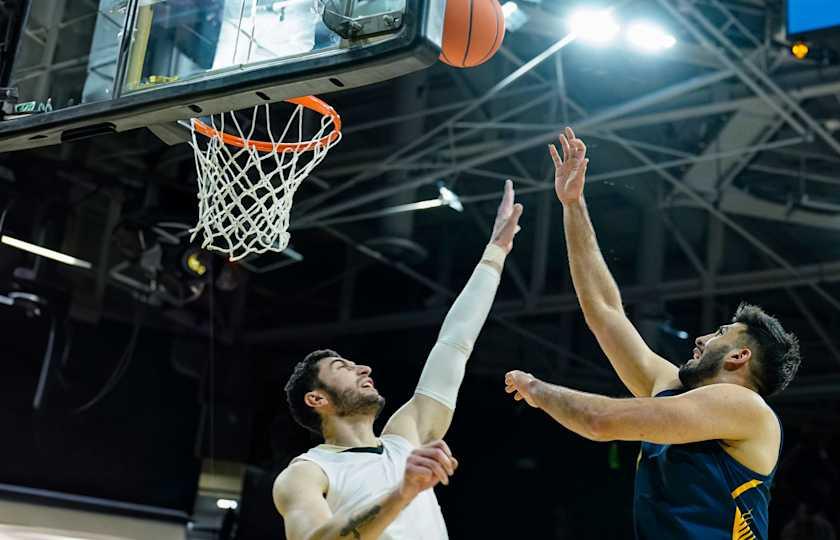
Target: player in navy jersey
[(710, 443)]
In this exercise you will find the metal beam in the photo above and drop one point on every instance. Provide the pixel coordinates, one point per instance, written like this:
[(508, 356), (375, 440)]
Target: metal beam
[(542, 237), (745, 282), (797, 89), (685, 246), (734, 201), (498, 87), (753, 70), (537, 185), (454, 106), (801, 87), (595, 120), (431, 284), (815, 324), (715, 246), (371, 170)]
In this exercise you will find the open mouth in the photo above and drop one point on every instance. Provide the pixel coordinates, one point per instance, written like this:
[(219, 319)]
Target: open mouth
[(697, 353), (367, 383)]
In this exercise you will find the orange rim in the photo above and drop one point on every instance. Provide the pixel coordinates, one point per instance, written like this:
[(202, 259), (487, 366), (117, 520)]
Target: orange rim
[(310, 102)]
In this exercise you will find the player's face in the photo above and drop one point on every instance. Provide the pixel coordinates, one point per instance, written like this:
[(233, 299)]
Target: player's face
[(351, 387), (709, 354)]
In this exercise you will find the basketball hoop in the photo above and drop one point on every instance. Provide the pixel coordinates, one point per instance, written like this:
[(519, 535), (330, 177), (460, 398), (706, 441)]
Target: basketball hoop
[(246, 186)]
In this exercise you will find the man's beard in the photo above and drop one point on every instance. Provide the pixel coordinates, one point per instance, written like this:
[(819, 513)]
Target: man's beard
[(351, 402), (707, 367)]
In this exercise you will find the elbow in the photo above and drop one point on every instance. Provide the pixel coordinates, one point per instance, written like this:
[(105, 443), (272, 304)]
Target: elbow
[(597, 313)]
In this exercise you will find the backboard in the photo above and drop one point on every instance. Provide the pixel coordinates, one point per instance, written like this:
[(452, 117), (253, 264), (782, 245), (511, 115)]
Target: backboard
[(101, 66)]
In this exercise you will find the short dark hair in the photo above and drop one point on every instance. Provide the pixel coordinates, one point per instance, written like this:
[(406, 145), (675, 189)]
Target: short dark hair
[(777, 351), (304, 379)]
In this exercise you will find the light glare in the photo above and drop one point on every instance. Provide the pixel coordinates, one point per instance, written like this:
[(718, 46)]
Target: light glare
[(515, 18), (44, 252), (593, 26), (450, 199), (650, 37), (227, 504), (509, 8)]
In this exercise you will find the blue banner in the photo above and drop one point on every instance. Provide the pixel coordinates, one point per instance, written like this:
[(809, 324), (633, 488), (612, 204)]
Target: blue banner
[(805, 16)]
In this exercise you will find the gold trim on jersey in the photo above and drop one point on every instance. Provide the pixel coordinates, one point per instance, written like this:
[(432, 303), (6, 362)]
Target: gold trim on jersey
[(741, 528), (738, 491)]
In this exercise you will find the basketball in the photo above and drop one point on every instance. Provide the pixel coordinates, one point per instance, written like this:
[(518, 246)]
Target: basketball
[(473, 31)]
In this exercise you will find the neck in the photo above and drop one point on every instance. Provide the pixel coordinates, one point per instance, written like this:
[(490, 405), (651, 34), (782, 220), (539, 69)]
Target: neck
[(350, 431), (726, 377)]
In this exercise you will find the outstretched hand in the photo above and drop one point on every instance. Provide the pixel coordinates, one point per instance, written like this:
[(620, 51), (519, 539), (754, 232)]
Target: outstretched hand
[(507, 220), (521, 385), (570, 171)]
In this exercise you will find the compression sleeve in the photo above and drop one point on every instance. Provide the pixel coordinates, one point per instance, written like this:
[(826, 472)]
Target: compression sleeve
[(446, 364)]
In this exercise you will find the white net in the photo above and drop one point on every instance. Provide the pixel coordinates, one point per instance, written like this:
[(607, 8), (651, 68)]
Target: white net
[(245, 193)]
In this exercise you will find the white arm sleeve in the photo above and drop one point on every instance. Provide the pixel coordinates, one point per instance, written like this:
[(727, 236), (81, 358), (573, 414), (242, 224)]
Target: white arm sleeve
[(444, 369)]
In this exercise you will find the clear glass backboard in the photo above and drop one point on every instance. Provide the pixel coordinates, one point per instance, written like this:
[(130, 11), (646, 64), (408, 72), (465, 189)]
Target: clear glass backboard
[(98, 66)]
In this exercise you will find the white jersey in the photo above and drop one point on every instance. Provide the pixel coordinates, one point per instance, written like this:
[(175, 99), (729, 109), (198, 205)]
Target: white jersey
[(357, 478)]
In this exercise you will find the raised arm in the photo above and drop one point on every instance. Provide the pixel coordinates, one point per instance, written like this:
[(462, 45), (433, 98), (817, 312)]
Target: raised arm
[(299, 497), (427, 416), (641, 370)]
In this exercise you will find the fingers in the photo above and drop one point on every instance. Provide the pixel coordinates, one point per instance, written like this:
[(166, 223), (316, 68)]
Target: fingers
[(507, 198), (555, 157), (430, 464), (584, 167), (517, 212), (507, 201), (573, 148), (425, 474), (511, 226), (580, 149), (439, 455), (564, 142), (443, 446)]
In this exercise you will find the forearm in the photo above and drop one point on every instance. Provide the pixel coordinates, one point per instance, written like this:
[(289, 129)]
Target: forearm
[(366, 523), (593, 282), (444, 370), (583, 413), (468, 313)]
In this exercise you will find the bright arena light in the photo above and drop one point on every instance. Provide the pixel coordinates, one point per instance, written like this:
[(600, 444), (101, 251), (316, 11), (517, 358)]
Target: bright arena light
[(509, 8), (515, 18), (594, 26), (650, 37), (227, 504)]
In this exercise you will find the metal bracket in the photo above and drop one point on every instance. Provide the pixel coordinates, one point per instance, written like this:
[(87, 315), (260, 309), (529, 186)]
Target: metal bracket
[(340, 20)]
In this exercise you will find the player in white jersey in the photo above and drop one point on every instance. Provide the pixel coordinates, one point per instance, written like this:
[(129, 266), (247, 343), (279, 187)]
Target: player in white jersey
[(360, 486)]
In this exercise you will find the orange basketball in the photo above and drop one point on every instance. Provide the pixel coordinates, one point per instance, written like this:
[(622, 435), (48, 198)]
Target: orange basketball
[(472, 32)]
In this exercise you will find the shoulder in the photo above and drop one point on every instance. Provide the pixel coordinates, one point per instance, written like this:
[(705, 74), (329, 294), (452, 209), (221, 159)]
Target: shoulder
[(394, 439), (740, 402), (300, 478), (733, 392)]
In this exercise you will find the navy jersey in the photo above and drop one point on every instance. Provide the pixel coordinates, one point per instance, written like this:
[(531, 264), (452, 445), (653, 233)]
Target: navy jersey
[(698, 491)]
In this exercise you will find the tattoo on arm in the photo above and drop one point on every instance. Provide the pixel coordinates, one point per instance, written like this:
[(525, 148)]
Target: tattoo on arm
[(355, 522)]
